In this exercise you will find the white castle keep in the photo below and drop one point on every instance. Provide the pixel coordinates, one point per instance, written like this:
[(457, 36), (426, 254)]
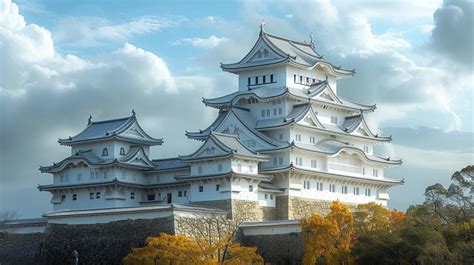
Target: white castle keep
[(283, 142)]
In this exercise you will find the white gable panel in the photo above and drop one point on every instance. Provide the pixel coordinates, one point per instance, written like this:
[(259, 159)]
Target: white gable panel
[(232, 125), (209, 148)]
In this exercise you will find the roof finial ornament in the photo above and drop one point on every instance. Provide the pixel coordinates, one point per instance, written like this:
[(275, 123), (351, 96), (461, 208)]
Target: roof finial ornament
[(133, 112), (311, 39), (262, 26), (90, 120)]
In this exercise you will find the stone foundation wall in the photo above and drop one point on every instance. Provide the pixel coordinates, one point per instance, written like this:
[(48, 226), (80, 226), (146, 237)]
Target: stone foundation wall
[(249, 210), (288, 207), (20, 248), (277, 249), (96, 243)]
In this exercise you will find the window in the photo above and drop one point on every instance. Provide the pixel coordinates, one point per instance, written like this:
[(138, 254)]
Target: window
[(79, 176), (307, 184), (271, 196), (367, 192), (274, 112), (356, 190), (307, 80), (219, 167), (105, 152), (201, 188), (344, 189), (280, 136), (375, 172), (105, 174), (280, 111), (299, 161), (366, 148), (294, 79), (250, 188), (199, 170), (74, 197), (61, 179), (274, 161), (159, 196), (332, 187), (314, 80), (63, 197), (180, 194), (248, 81), (301, 79), (264, 79), (122, 151), (298, 137), (218, 186), (91, 195), (132, 195), (151, 197), (319, 186), (184, 193), (334, 119), (314, 163), (280, 161), (97, 174), (266, 196), (268, 112), (256, 80), (239, 167), (312, 139), (271, 78), (97, 195)]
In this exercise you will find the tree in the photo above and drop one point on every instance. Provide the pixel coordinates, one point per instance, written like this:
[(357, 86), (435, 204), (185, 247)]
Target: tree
[(205, 239), (328, 238)]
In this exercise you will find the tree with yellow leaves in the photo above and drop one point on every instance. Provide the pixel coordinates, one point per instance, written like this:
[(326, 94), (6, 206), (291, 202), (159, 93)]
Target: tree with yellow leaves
[(205, 239), (329, 238)]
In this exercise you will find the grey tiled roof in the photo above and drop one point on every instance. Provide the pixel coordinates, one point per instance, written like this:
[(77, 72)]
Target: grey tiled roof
[(269, 186), (351, 123), (289, 51), (97, 130), (265, 92), (169, 164)]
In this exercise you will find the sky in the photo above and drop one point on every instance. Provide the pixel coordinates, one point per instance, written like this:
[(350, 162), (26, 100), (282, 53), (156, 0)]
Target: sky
[(61, 61)]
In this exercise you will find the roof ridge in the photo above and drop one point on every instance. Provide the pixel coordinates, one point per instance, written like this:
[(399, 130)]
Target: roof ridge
[(287, 39), (111, 120)]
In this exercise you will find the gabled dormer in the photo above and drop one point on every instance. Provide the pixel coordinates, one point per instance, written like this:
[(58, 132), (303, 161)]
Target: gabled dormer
[(277, 61)]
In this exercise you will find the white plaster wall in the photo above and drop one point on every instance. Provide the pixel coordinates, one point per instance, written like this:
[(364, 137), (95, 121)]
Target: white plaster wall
[(209, 190), (244, 166), (241, 191), (269, 201), (279, 79), (298, 190), (210, 167), (291, 71), (84, 202)]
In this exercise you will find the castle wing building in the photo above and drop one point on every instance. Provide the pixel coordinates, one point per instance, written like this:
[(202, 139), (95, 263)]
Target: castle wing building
[(283, 145)]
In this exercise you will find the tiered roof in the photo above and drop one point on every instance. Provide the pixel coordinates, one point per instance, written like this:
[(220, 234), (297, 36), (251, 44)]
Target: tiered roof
[(228, 145), (135, 158), (286, 52), (306, 94), (297, 114), (126, 129)]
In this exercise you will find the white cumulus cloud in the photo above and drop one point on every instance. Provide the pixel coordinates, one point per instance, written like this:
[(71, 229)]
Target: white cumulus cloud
[(210, 42)]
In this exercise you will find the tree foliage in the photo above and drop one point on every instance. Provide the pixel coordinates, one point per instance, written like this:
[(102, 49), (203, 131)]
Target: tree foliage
[(206, 239), (328, 238)]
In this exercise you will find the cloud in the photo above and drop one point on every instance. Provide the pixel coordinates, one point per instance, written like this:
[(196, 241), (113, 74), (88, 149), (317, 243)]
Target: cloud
[(453, 31), (45, 95), (93, 31), (210, 42)]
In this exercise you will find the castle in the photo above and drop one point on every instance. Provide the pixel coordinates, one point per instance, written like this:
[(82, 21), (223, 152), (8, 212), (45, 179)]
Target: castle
[(284, 141)]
